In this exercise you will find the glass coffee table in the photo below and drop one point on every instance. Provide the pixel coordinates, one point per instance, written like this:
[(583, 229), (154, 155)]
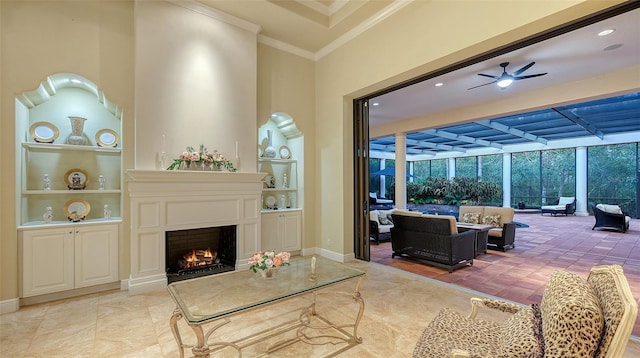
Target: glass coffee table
[(217, 298)]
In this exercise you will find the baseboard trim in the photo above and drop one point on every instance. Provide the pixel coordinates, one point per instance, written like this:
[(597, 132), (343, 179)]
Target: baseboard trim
[(335, 256), (9, 306), (147, 284)]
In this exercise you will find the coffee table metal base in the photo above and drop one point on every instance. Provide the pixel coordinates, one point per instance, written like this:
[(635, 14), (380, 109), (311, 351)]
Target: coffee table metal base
[(308, 322)]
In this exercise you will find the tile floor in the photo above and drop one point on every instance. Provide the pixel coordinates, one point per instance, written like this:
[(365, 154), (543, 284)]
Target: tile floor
[(549, 243), (398, 305)]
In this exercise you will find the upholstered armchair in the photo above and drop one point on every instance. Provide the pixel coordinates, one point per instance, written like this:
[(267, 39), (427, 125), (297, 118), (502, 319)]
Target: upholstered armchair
[(610, 217), (566, 205), (576, 318)]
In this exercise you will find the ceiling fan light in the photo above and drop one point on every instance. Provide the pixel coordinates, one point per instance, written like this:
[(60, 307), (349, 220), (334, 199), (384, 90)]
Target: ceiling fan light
[(505, 82)]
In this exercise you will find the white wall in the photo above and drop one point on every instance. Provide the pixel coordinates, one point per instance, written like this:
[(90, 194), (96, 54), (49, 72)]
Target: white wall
[(195, 82)]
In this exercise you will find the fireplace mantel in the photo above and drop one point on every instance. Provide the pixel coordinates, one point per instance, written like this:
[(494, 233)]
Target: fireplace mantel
[(164, 200)]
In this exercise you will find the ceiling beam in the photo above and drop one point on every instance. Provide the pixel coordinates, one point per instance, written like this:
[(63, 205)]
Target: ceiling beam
[(580, 122), (510, 130), (444, 147), (462, 138)]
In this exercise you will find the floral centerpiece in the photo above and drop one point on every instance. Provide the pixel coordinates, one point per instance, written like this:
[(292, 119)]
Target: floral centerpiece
[(201, 159), (268, 262)]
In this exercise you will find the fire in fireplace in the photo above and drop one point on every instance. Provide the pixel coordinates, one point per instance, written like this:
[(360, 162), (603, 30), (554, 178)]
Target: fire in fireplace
[(199, 252)]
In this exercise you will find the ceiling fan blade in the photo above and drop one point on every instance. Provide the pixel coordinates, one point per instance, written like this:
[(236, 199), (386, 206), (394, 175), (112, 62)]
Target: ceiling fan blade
[(483, 85), (528, 76), (518, 72), (490, 76)]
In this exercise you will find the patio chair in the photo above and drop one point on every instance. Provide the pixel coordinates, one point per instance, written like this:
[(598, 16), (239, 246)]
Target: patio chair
[(566, 205), (610, 217), (576, 318)]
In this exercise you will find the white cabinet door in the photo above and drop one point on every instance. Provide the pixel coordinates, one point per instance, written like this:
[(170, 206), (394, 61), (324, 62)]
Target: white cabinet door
[(270, 232), (96, 255), (47, 261), (291, 231), (281, 231)]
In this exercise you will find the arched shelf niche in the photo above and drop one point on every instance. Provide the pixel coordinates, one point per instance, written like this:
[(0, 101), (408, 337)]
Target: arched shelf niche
[(285, 134), (49, 107)]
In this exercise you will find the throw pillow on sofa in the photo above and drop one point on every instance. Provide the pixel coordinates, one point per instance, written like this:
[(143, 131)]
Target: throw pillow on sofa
[(385, 216), (493, 220), (471, 218)]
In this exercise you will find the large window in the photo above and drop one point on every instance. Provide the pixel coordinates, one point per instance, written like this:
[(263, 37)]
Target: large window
[(467, 167), (439, 168), (421, 170), (374, 180), (525, 179), (558, 174), (611, 175), (491, 172)]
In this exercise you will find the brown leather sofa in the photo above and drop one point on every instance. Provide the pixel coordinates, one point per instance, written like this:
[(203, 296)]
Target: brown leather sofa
[(432, 239)]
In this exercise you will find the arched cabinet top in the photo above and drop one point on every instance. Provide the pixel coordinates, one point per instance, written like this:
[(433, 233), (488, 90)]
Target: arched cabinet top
[(53, 83)]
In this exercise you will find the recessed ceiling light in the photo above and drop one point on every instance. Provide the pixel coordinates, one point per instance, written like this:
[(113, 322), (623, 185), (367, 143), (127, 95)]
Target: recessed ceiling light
[(612, 47), (606, 32), (439, 84), (375, 104)]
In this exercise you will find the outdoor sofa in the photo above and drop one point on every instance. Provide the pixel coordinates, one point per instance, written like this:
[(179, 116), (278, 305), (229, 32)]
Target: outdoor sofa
[(433, 239), (503, 235), (380, 224), (566, 205)]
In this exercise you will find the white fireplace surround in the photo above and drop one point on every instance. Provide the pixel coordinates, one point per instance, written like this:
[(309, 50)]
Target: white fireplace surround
[(175, 200)]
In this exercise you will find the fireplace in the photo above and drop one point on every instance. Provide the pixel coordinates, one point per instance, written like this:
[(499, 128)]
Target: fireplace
[(199, 252)]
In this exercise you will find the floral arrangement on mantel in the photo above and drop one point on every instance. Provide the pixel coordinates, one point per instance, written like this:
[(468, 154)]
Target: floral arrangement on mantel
[(201, 159), (266, 262)]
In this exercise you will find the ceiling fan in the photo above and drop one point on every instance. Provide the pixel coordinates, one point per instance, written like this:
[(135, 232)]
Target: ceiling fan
[(504, 80)]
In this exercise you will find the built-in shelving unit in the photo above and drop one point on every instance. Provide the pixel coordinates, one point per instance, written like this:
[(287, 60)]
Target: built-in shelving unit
[(282, 199), (75, 244)]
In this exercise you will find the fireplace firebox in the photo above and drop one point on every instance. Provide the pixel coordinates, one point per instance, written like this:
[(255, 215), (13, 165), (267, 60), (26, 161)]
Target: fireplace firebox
[(200, 252)]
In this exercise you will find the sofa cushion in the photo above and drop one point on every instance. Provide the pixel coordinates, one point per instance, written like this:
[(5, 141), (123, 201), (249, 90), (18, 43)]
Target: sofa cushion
[(572, 319), (564, 200), (612, 209), (493, 220), (453, 225), (373, 216), (471, 218), (506, 214)]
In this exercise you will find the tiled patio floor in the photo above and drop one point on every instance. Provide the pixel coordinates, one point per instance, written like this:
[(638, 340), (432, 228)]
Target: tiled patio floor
[(549, 243)]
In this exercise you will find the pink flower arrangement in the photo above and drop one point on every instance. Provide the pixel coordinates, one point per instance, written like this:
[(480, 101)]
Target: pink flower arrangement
[(202, 155), (264, 260)]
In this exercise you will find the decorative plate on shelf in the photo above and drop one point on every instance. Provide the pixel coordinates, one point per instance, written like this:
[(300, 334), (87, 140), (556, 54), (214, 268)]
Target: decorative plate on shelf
[(77, 209), (285, 152), (270, 181), (107, 138), (44, 132), (270, 201), (76, 179)]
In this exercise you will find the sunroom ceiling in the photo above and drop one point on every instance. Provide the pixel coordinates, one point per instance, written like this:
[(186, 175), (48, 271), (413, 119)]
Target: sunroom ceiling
[(594, 121)]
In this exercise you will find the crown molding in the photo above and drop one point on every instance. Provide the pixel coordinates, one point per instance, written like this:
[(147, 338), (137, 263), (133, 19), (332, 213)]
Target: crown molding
[(218, 15), (362, 28), (283, 46)]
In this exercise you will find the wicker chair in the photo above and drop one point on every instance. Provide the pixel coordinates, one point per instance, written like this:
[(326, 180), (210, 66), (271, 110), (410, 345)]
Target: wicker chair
[(576, 318), (610, 220)]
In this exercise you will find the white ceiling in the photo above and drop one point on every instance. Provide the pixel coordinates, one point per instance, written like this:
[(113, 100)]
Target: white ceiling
[(315, 27)]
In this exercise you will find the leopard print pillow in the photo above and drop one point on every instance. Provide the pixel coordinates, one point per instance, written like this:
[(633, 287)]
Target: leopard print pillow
[(493, 220), (471, 218), (521, 334), (572, 319)]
